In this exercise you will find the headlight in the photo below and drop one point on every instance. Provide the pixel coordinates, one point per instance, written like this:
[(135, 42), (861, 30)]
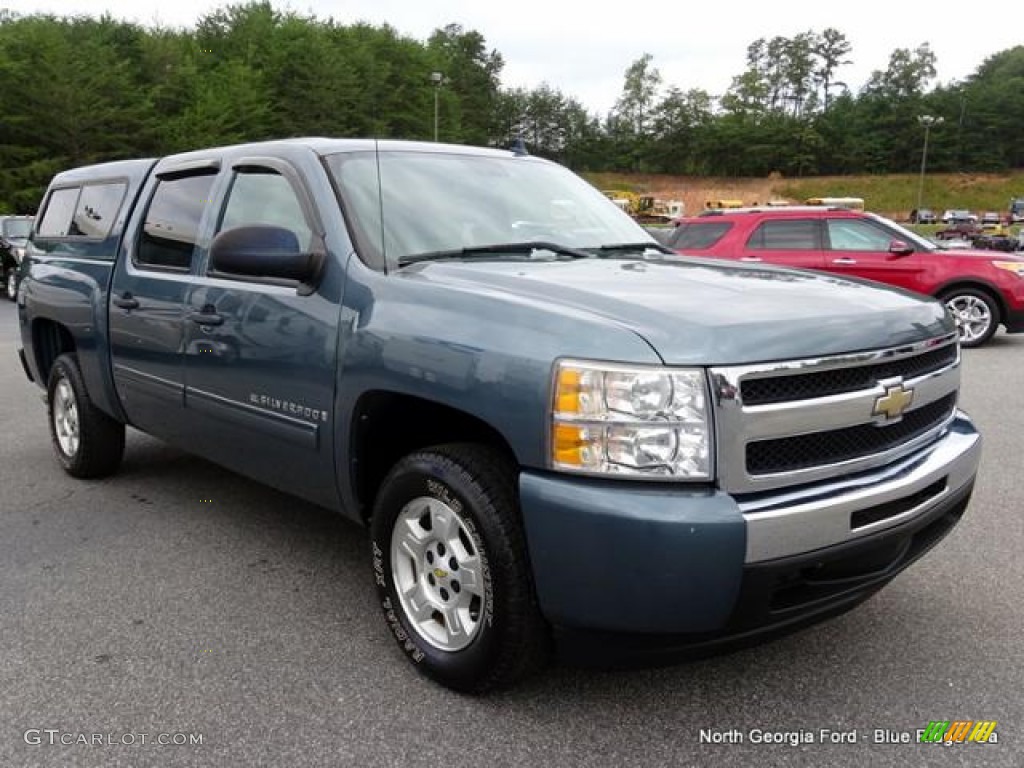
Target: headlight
[(1017, 267), (638, 422), (18, 253)]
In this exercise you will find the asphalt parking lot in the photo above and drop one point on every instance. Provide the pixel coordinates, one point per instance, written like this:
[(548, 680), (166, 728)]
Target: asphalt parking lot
[(178, 602)]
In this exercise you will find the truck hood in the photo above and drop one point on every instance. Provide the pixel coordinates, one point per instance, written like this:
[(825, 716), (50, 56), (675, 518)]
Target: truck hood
[(704, 311)]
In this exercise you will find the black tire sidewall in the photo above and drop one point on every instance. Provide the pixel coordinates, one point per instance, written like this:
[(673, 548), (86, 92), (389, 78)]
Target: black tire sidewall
[(63, 370), (100, 437), (459, 669)]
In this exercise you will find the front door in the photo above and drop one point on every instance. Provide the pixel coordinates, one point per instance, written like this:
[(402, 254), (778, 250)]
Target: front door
[(860, 248), (260, 356)]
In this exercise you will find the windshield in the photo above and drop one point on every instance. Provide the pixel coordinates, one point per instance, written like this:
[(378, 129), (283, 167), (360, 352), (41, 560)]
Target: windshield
[(17, 227), (901, 233), (404, 203)]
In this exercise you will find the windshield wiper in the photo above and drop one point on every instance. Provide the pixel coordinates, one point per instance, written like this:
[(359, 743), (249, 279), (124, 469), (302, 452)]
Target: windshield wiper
[(627, 247), (526, 247)]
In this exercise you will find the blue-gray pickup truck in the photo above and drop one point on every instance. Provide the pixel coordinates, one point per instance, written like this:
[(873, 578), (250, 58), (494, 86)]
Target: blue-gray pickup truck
[(560, 435)]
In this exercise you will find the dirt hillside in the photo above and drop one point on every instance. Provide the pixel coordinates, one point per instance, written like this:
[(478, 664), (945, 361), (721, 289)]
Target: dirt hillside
[(891, 195), (692, 190)]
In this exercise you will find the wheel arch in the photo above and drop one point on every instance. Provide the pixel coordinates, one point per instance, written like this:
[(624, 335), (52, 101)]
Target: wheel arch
[(50, 340), (976, 284), (979, 285), (388, 425)]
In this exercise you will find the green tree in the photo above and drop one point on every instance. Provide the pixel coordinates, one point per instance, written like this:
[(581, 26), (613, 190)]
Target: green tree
[(630, 121), (471, 82), (71, 97), (907, 75), (679, 120), (831, 47)]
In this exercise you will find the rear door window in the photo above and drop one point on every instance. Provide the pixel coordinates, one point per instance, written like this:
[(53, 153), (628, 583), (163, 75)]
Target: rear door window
[(171, 227), (698, 235), (786, 235)]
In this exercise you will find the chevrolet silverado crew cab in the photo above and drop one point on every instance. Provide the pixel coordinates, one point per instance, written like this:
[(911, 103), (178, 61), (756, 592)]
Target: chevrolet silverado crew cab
[(561, 435)]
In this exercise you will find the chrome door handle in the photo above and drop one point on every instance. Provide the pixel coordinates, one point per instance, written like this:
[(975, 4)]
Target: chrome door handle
[(206, 318), (844, 260), (125, 301)]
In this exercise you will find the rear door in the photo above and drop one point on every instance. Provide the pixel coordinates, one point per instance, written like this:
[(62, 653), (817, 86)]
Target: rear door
[(859, 247), (788, 241), (147, 297), (259, 356)]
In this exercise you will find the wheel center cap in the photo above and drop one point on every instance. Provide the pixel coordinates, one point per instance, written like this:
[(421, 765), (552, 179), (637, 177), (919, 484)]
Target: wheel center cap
[(440, 573)]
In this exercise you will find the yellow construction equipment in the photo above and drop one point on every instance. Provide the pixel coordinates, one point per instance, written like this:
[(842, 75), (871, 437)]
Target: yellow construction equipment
[(646, 209)]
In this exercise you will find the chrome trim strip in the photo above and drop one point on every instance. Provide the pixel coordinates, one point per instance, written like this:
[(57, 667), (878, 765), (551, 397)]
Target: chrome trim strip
[(852, 360), (764, 422), (802, 521), (259, 421), (145, 383)]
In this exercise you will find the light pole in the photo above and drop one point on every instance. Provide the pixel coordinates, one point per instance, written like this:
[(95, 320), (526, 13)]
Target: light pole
[(436, 78), (927, 121)]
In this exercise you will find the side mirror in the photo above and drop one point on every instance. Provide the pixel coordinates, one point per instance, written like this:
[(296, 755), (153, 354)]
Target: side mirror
[(900, 248), (263, 251)]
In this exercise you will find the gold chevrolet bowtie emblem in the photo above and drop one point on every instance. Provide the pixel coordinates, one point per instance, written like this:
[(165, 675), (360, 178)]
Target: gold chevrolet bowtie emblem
[(440, 573), (894, 402)]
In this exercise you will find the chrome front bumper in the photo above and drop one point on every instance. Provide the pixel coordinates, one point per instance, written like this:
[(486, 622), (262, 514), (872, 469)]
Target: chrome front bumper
[(800, 520)]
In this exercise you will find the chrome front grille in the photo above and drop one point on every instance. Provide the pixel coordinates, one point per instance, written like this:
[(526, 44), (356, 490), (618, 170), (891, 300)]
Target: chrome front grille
[(795, 422)]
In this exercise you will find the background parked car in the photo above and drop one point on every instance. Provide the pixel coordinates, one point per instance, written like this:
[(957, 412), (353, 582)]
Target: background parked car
[(14, 231), (990, 219), (958, 214), (959, 229), (923, 216), (982, 289)]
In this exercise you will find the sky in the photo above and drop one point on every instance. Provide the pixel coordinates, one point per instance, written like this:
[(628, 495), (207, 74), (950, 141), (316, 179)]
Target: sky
[(583, 49)]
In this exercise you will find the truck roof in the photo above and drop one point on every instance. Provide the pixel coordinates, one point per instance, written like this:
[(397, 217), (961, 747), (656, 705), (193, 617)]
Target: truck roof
[(115, 169), (319, 145), (322, 145)]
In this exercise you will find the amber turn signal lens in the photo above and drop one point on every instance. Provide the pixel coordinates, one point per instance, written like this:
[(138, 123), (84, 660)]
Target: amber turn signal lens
[(567, 391), (569, 443)]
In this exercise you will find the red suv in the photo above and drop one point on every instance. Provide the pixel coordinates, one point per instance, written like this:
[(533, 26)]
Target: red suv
[(981, 288)]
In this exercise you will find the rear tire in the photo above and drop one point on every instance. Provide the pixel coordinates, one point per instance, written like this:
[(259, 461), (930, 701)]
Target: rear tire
[(88, 442), (977, 314), (452, 571)]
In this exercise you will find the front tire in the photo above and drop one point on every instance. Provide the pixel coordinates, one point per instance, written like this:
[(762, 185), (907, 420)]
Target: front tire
[(976, 313), (88, 442), (452, 570), (11, 284)]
